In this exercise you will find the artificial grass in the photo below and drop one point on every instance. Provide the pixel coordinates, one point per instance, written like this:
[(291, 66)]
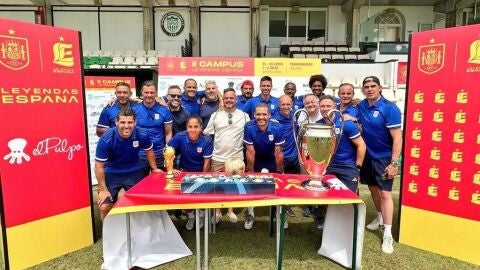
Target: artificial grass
[(233, 247)]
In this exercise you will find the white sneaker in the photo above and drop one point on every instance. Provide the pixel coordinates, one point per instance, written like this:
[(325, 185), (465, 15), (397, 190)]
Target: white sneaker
[(285, 225), (190, 223), (387, 245), (375, 225), (249, 222)]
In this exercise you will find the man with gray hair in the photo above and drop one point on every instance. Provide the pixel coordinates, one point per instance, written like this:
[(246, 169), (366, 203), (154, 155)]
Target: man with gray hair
[(211, 102)]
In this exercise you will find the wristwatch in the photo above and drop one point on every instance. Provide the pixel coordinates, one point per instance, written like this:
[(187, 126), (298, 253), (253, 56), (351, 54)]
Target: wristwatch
[(359, 167), (394, 163)]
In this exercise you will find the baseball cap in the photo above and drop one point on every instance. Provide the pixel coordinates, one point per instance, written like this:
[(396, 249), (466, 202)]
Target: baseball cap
[(247, 83), (371, 79)]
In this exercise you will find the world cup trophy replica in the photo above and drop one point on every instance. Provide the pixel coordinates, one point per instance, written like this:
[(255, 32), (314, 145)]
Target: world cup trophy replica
[(169, 156), (316, 144)]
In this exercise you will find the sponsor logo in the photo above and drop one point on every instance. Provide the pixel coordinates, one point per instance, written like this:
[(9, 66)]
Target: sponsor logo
[(14, 52)]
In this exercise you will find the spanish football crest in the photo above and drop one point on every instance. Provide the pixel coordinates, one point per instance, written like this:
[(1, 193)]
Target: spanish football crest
[(431, 57), (14, 51)]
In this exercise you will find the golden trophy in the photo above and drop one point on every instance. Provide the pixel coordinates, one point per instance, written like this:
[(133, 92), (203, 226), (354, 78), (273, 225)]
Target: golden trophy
[(169, 156), (316, 143)]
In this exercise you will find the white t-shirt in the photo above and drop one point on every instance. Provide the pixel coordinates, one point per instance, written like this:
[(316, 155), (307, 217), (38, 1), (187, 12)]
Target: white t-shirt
[(228, 141), (302, 119)]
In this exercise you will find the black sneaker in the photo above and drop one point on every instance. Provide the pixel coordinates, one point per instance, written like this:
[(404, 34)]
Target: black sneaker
[(320, 223), (289, 211), (249, 222), (306, 212)]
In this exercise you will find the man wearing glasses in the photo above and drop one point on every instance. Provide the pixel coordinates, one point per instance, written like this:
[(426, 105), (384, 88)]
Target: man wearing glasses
[(179, 114), (227, 127)]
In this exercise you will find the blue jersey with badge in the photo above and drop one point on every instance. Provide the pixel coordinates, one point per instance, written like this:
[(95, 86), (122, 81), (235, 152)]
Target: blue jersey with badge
[(252, 103), (109, 114), (289, 148), (153, 121), (264, 143), (346, 152), (192, 154), (241, 101), (297, 103), (377, 120), (350, 110), (192, 105), (121, 155)]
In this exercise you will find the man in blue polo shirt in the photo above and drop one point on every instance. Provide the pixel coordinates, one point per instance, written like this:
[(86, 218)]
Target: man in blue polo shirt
[(211, 102), (117, 164), (264, 97), (191, 97), (381, 123), (247, 92), (109, 113), (156, 120), (284, 116), (348, 158), (290, 90), (264, 141)]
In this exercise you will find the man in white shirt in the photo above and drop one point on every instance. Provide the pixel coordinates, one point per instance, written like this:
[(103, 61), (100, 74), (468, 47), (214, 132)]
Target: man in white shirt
[(227, 126)]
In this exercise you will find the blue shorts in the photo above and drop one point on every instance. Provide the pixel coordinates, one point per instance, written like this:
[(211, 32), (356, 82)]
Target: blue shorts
[(372, 173), (117, 181), (347, 173), (291, 165)]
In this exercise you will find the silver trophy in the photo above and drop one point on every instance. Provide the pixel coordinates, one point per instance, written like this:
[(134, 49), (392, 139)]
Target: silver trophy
[(316, 144)]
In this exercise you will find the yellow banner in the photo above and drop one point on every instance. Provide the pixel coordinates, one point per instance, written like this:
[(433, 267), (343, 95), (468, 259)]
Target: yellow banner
[(287, 67), (444, 234)]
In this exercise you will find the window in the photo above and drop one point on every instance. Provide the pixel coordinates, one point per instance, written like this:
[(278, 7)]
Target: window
[(299, 25)]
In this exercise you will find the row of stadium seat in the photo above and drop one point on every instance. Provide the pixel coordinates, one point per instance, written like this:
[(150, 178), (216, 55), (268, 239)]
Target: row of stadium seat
[(120, 62), (336, 58), (320, 49), (124, 53), (316, 42)]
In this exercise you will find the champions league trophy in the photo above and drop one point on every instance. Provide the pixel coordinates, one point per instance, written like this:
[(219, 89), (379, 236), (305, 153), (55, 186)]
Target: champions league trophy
[(169, 156), (316, 143)]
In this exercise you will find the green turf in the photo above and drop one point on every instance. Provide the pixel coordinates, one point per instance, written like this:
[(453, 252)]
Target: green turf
[(232, 247)]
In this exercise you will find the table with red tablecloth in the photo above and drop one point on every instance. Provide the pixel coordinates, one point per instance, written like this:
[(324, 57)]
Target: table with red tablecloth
[(128, 228)]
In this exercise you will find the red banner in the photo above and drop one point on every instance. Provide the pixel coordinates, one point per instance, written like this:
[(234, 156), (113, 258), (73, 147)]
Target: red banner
[(442, 135), (402, 72), (43, 142), (211, 66)]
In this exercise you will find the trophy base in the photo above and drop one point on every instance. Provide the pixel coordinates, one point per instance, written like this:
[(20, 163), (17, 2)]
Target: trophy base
[(314, 185)]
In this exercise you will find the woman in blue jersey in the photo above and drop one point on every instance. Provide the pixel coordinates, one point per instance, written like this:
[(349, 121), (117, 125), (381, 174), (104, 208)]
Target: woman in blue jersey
[(195, 154)]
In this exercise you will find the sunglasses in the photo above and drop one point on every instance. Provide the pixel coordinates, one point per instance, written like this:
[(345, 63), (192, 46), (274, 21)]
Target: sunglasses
[(230, 121), (175, 96)]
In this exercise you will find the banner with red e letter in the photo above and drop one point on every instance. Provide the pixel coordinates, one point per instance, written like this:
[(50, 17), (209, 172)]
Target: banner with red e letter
[(45, 181), (440, 202)]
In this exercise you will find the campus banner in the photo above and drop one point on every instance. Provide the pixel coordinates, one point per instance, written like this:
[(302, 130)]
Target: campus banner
[(99, 90), (440, 206), (232, 71), (45, 182)]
